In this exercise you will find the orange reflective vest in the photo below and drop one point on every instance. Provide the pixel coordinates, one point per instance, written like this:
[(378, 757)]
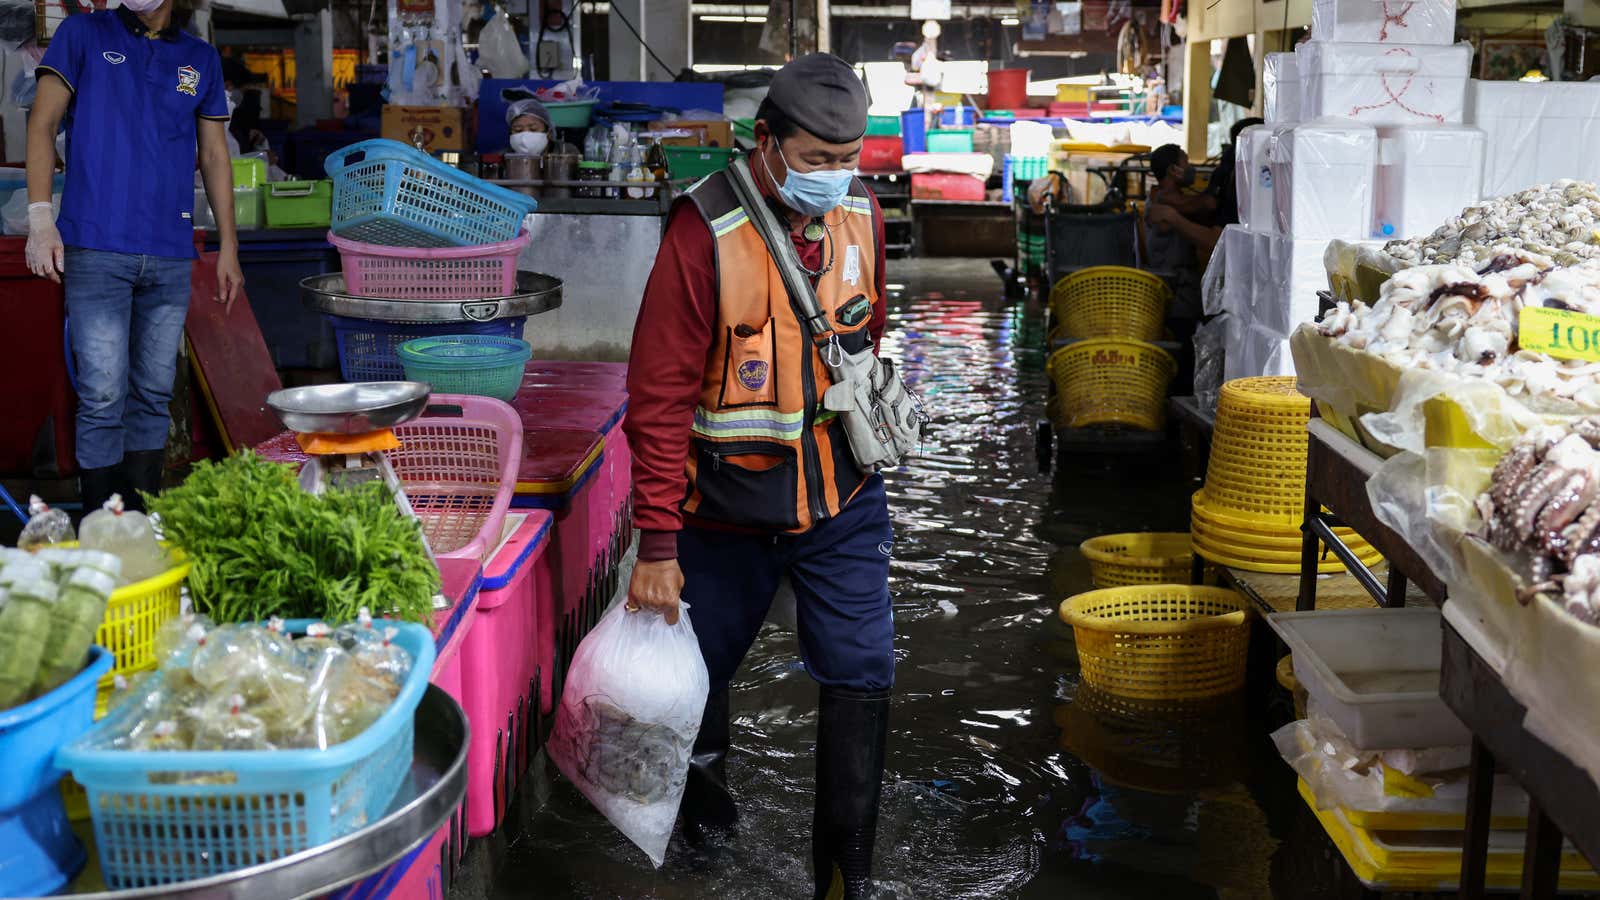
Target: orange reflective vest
[(764, 455)]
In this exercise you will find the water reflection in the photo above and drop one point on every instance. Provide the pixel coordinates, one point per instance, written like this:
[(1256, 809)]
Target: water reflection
[(1006, 779)]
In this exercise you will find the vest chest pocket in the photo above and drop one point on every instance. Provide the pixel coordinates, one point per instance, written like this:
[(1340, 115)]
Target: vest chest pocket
[(750, 484), (749, 367)]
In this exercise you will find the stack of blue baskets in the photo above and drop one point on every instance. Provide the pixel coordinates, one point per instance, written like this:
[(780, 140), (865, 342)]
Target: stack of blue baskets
[(385, 192)]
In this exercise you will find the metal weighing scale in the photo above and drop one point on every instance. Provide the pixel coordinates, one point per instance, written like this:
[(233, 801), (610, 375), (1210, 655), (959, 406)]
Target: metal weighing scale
[(535, 294), (345, 430)]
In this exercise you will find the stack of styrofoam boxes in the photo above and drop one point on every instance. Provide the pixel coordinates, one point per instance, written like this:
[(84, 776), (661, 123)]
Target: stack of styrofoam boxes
[(1536, 132), (1363, 142)]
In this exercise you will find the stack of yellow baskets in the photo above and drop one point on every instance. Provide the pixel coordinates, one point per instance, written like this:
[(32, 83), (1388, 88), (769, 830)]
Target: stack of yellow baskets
[(1249, 513), (1107, 373)]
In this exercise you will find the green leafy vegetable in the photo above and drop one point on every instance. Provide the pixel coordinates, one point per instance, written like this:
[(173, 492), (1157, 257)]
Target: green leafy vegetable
[(263, 547)]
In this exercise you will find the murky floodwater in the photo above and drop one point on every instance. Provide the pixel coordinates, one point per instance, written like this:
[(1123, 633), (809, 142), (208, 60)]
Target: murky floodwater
[(988, 791)]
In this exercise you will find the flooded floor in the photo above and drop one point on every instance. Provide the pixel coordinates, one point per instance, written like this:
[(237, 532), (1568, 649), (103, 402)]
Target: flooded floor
[(1004, 778)]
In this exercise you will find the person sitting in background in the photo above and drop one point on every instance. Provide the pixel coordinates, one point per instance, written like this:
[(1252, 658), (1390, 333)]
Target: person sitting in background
[(529, 122), (1170, 241), (1169, 166), (1223, 186)]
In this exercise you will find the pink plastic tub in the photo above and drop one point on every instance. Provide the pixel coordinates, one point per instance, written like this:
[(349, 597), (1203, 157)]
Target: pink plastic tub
[(430, 273), (458, 464), (508, 664)]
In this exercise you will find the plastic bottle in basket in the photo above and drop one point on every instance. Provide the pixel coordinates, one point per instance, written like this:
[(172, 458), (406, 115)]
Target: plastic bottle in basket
[(24, 628), (45, 526), (127, 534), (74, 618)]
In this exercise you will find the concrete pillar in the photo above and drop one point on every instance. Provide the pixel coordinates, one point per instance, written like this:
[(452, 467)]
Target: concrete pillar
[(313, 67), (1196, 96), (664, 25)]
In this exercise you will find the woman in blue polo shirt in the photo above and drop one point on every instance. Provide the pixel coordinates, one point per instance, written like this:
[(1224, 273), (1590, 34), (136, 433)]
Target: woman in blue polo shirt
[(135, 95)]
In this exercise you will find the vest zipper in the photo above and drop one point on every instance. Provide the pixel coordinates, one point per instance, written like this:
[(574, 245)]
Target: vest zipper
[(810, 459)]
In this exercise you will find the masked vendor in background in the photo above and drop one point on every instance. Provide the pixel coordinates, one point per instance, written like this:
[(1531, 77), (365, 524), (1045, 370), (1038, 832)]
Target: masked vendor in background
[(740, 478), (530, 127), (136, 96)]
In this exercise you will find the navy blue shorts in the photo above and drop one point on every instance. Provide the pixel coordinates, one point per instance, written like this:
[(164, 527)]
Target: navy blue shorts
[(840, 573)]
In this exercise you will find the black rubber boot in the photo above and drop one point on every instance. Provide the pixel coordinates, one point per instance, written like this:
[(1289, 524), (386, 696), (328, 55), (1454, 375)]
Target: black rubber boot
[(852, 727), (141, 471), (95, 486), (707, 803)]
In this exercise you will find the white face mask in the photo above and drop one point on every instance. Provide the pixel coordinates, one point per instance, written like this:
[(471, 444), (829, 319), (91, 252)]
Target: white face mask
[(141, 6), (530, 142)]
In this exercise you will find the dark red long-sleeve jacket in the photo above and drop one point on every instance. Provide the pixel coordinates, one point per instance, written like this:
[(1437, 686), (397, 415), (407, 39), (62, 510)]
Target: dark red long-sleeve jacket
[(670, 342)]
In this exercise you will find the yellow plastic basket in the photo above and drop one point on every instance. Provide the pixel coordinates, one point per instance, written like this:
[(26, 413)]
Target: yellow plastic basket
[(1161, 641), (1111, 301), (1138, 558), (1109, 381)]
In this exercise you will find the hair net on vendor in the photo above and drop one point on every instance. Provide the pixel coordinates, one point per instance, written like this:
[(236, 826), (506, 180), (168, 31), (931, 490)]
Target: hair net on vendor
[(528, 107)]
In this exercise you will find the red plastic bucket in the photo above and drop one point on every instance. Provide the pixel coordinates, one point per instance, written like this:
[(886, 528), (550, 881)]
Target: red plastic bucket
[(880, 153), (1008, 88)]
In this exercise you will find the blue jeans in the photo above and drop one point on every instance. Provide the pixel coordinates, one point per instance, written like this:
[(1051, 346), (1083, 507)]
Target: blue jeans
[(840, 573), (127, 314)]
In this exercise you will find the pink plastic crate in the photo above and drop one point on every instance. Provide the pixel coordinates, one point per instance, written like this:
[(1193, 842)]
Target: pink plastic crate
[(508, 666), (957, 186), (430, 273), (458, 464)]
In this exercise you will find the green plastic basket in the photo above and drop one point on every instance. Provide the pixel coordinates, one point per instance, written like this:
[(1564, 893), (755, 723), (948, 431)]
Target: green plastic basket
[(570, 113), (950, 140), (249, 172), (483, 364), (698, 162), (299, 204), (249, 212), (885, 126)]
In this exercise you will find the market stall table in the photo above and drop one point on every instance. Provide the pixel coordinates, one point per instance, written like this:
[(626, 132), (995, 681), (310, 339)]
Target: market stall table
[(1564, 800), (1195, 425)]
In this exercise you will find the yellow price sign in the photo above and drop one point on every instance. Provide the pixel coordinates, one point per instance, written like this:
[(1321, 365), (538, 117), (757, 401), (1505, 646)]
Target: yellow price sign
[(1561, 333)]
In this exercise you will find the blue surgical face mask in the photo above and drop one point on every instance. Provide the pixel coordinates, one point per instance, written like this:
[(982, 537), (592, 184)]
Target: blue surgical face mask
[(812, 193)]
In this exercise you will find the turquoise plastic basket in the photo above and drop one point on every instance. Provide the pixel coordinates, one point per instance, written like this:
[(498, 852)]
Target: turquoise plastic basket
[(273, 802), (482, 364), (387, 193), (38, 852)]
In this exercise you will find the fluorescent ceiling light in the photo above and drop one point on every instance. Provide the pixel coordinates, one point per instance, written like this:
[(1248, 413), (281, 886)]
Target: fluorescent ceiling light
[(740, 19), (1010, 21)]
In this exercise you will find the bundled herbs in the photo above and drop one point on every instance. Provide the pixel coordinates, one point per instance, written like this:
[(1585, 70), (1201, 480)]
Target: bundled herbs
[(262, 547)]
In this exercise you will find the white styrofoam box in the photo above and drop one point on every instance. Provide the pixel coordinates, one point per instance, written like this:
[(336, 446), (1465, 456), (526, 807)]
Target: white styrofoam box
[(1280, 88), (1384, 21), (1290, 296), (1031, 138), (1254, 351), (1375, 672), (1426, 175), (1322, 178), (1252, 176), (1536, 132), (1384, 84), (1239, 275)]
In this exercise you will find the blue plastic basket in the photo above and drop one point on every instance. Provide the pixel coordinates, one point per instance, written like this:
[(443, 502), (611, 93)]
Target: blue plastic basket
[(369, 350), (38, 852), (387, 193), (274, 802), (481, 364)]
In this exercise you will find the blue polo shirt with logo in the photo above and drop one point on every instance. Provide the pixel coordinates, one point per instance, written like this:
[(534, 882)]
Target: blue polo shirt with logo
[(136, 97)]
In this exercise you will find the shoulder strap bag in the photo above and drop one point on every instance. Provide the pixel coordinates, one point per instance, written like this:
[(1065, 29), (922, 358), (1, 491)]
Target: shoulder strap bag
[(883, 420)]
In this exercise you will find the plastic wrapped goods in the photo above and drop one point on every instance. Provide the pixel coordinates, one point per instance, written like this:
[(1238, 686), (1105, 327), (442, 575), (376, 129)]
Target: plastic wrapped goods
[(1252, 179), (45, 526), (1384, 84), (1322, 179), (1280, 89), (1426, 176), (1536, 132), (1384, 21), (629, 713), (129, 535), (74, 618), (24, 630)]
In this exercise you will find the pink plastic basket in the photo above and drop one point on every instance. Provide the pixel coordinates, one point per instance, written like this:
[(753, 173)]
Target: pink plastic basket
[(430, 273), (458, 464), (507, 666)]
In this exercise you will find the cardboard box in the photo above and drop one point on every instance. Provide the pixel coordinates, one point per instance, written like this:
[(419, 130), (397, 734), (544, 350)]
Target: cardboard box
[(702, 133), (443, 127)]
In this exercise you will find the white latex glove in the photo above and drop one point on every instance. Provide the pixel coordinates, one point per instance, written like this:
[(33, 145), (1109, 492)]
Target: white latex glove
[(45, 253)]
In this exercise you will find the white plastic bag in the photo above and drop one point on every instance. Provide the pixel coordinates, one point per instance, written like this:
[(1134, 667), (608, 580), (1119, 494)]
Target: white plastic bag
[(499, 51), (629, 714)]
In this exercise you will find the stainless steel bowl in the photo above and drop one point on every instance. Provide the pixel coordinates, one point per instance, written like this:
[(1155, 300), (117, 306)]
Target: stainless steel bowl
[(349, 408)]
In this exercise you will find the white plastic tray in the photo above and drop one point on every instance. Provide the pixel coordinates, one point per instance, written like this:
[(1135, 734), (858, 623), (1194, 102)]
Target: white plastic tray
[(1375, 672)]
